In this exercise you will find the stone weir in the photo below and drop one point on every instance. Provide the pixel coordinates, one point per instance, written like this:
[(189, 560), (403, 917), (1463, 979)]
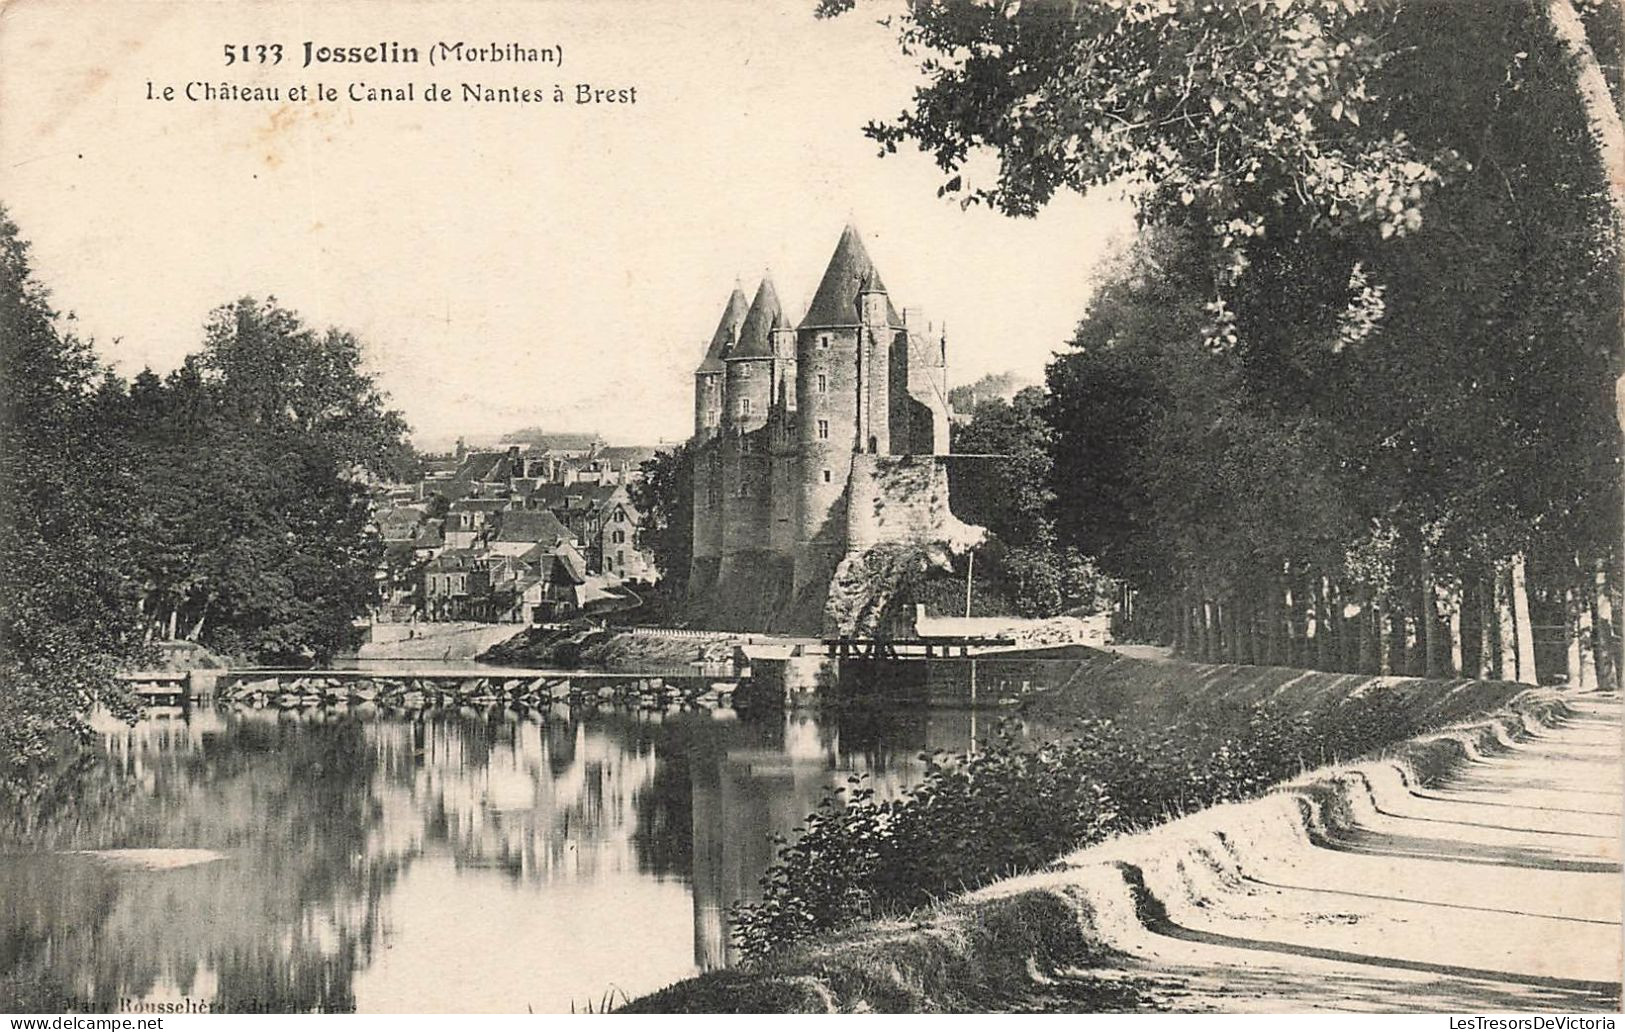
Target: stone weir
[(425, 690)]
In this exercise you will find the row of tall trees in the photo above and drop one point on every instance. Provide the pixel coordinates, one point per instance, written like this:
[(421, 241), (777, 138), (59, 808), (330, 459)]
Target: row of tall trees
[(225, 502), (1348, 402), (1337, 536)]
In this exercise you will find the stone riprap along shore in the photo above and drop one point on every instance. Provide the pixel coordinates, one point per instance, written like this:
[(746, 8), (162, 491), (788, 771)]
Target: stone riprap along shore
[(411, 694)]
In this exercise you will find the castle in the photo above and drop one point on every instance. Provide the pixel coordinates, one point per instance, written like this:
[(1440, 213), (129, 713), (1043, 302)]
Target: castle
[(813, 443)]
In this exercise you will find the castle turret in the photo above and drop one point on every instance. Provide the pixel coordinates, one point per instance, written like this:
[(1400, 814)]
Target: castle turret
[(874, 358), (833, 390), (709, 376), (784, 475), (708, 467), (784, 367), (748, 384), (746, 443), (919, 409)]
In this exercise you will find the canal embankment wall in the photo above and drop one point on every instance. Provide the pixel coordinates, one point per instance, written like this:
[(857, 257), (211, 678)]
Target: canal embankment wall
[(1002, 947)]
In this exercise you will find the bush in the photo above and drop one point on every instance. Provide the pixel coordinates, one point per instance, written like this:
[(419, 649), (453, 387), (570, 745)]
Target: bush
[(971, 819), (1015, 806)]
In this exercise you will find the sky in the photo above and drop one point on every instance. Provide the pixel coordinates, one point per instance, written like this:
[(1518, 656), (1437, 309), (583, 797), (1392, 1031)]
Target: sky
[(505, 266)]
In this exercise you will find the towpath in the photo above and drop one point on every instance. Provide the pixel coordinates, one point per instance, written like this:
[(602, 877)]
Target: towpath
[(1498, 890)]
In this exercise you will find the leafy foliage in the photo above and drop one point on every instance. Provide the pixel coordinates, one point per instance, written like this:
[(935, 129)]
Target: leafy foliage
[(1004, 386), (225, 501), (1011, 496), (1449, 407), (1367, 347), (277, 427), (66, 613), (1245, 111), (665, 497), (1014, 806)]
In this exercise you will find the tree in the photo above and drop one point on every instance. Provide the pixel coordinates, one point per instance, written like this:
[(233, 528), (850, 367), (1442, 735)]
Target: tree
[(665, 498), (277, 427), (268, 370), (965, 397), (1003, 484), (66, 615), (1168, 469), (1009, 492), (224, 502), (1240, 113)]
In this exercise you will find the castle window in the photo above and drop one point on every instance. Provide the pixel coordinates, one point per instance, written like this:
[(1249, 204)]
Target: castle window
[(823, 429), (744, 370), (823, 383), (618, 537), (823, 342), (827, 476), (744, 406)]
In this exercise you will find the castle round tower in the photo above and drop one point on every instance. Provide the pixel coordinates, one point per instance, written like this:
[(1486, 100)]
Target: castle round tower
[(708, 468), (875, 334), (746, 449), (783, 444), (842, 358)]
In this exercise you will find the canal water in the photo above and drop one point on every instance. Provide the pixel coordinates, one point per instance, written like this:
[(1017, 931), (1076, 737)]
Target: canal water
[(235, 859)]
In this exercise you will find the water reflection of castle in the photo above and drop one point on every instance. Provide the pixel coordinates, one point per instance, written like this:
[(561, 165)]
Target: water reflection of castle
[(329, 825), (690, 797)]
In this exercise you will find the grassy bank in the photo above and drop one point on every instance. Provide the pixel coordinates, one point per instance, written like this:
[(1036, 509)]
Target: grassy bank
[(852, 916), (1357, 713)]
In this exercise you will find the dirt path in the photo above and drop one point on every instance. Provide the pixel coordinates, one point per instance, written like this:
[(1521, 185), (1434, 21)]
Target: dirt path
[(446, 641), (1498, 890)]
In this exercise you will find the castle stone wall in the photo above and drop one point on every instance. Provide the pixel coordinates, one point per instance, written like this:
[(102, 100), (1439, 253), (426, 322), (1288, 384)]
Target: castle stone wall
[(708, 500)]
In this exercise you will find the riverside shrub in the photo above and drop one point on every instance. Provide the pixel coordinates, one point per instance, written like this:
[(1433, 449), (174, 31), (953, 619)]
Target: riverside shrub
[(972, 818), (1015, 806)]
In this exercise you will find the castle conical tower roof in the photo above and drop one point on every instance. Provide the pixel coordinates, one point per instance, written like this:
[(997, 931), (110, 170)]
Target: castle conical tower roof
[(733, 316), (850, 271), (755, 336)]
